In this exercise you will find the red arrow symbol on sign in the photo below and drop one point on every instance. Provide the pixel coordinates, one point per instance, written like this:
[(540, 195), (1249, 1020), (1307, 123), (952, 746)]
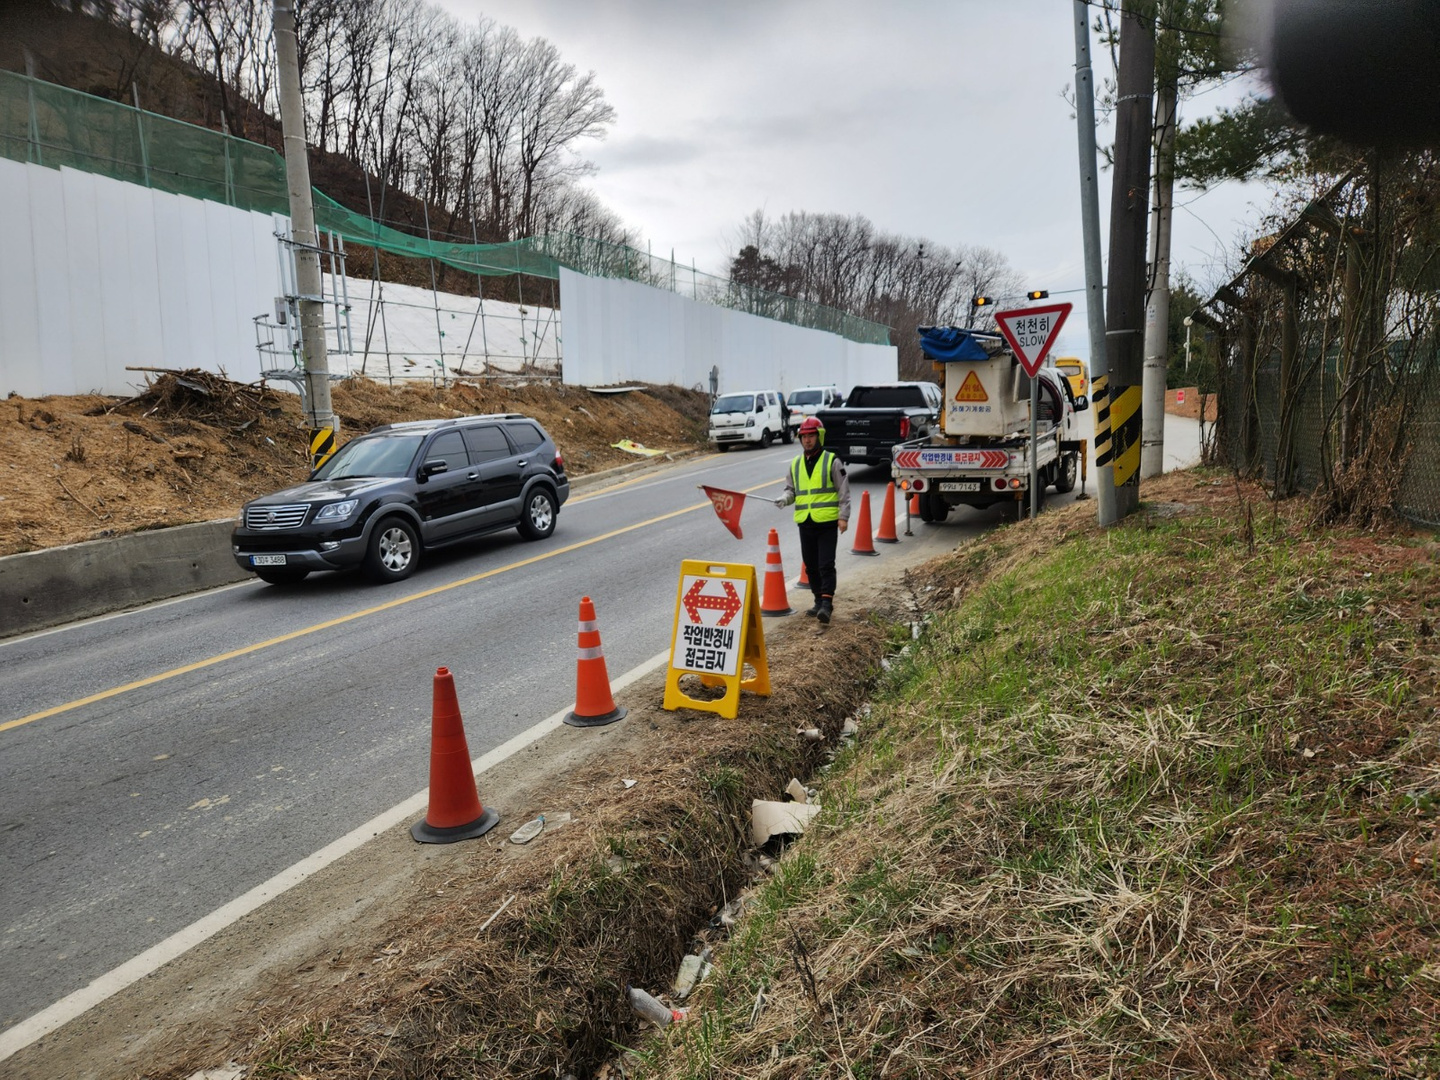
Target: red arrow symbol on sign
[(727, 605), (908, 459)]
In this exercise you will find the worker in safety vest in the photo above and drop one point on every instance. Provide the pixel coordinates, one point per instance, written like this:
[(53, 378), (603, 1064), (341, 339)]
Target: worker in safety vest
[(820, 491)]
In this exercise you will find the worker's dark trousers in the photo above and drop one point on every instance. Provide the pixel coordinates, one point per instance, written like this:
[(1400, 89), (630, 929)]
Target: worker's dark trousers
[(817, 549)]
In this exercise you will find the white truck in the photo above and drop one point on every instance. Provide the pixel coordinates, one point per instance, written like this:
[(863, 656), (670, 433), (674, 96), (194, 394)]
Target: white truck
[(750, 416), (980, 454)]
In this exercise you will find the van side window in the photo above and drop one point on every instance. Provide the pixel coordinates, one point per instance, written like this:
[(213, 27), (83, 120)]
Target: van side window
[(525, 436), (450, 446), (486, 444)]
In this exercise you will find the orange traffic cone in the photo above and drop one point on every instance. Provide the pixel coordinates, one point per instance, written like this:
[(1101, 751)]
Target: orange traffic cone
[(886, 533), (915, 505), (774, 601), (594, 706), (454, 812), (804, 578), (863, 543)]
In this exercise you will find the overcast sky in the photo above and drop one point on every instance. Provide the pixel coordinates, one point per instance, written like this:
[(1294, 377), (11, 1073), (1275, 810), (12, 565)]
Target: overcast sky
[(943, 120)]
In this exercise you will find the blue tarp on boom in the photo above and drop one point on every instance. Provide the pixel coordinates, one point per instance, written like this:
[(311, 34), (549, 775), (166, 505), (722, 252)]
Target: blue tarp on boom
[(946, 343)]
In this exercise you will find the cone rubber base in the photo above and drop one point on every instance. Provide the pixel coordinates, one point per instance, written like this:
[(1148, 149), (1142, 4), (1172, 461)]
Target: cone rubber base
[(574, 719), (871, 552), (429, 834), (887, 539), (781, 611)]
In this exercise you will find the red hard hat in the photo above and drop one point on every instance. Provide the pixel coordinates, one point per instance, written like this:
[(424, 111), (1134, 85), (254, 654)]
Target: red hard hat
[(811, 426)]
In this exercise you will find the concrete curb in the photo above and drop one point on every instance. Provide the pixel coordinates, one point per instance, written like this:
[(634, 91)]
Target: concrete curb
[(40, 589)]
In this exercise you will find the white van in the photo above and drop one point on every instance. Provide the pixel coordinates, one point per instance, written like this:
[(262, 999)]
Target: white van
[(749, 416), (809, 400)]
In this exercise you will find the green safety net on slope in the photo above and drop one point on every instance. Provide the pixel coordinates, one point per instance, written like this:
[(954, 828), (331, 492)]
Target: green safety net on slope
[(53, 126)]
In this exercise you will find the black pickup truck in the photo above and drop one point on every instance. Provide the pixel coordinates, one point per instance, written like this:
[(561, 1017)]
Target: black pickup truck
[(876, 418)]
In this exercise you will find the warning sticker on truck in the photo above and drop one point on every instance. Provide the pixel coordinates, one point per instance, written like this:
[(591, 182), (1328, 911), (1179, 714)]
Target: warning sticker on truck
[(951, 459)]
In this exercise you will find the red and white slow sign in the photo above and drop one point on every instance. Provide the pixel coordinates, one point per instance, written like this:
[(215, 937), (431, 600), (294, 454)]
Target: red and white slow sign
[(1032, 331)]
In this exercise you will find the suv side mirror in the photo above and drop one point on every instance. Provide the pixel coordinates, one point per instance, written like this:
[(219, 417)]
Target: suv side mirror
[(433, 466)]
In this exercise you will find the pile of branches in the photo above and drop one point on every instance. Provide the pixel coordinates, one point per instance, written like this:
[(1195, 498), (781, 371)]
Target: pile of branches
[(204, 396)]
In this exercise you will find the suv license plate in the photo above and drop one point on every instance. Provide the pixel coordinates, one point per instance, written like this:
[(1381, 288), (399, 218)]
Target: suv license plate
[(858, 451), (267, 560), (960, 485)]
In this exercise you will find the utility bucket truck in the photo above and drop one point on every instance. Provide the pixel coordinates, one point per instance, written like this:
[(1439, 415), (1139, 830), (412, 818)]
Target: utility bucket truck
[(980, 454)]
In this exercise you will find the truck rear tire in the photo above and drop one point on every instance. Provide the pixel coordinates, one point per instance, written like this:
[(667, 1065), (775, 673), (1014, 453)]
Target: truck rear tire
[(766, 439), (935, 504), (1066, 473)]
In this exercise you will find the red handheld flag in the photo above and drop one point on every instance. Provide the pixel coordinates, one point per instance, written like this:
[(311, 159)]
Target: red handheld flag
[(728, 505)]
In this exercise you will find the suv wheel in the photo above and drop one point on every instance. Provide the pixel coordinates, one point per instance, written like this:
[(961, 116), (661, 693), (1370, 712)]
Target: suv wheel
[(276, 576), (394, 550), (537, 520)]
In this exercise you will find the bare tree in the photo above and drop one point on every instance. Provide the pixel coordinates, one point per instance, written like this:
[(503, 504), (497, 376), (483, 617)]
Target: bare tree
[(558, 107)]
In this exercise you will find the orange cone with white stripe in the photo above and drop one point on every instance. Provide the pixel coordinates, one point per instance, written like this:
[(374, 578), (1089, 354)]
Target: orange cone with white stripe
[(454, 810), (915, 505), (773, 600), (594, 705), (886, 533), (863, 543)]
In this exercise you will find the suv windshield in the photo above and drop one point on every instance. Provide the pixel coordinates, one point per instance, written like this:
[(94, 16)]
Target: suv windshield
[(383, 455), (733, 403)]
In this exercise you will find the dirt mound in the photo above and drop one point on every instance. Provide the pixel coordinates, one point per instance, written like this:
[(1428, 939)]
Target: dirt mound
[(194, 446)]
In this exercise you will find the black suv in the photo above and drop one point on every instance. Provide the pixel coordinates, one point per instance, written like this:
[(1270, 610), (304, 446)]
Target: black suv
[(400, 489)]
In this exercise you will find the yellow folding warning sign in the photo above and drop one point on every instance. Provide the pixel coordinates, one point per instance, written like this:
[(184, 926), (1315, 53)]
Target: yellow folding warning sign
[(717, 632)]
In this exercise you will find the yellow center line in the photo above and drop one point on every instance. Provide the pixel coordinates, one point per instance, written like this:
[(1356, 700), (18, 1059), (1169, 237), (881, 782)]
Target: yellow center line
[(151, 680)]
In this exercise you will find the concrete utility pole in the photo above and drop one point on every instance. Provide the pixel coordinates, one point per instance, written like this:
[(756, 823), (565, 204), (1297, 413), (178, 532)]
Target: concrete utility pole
[(1129, 206), (1090, 228), (323, 423), (1157, 311)]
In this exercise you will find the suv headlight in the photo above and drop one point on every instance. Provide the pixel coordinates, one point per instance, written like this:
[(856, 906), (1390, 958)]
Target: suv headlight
[(337, 511)]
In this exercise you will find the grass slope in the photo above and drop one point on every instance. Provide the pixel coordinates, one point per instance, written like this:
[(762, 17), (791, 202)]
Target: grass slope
[(1157, 801)]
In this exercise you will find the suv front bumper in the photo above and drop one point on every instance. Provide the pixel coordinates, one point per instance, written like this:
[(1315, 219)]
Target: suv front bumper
[(299, 552)]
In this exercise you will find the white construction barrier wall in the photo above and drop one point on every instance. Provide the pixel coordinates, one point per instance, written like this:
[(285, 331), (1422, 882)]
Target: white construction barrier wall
[(619, 331), (97, 276)]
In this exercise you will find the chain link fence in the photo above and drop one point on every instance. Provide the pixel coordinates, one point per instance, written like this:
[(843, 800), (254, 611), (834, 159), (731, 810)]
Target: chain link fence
[(1328, 356)]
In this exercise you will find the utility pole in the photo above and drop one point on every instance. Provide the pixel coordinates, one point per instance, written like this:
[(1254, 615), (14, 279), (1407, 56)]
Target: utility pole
[(1090, 228), (1125, 299), (1157, 311), (315, 395)]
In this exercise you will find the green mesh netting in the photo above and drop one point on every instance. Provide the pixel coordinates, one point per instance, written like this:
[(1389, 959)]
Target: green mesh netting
[(54, 126)]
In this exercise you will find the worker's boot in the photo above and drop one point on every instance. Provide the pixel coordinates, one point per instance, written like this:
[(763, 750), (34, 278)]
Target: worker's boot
[(814, 608), (824, 609)]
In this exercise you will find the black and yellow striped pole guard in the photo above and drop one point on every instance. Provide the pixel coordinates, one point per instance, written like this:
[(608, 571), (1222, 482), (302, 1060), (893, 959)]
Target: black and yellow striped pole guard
[(1117, 429), (322, 445)]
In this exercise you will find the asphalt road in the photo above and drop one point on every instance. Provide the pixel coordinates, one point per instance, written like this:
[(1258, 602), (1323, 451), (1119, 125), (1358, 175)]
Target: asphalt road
[(162, 762)]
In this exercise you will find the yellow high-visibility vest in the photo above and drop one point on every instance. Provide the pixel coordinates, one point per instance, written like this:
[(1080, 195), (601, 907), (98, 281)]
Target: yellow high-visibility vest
[(816, 496)]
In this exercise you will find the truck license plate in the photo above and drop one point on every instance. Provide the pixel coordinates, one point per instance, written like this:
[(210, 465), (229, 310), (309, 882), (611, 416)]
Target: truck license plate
[(267, 560), (960, 485), (858, 451)]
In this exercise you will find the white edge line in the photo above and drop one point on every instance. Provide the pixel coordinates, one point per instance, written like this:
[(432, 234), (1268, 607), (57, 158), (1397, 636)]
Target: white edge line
[(53, 1017)]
